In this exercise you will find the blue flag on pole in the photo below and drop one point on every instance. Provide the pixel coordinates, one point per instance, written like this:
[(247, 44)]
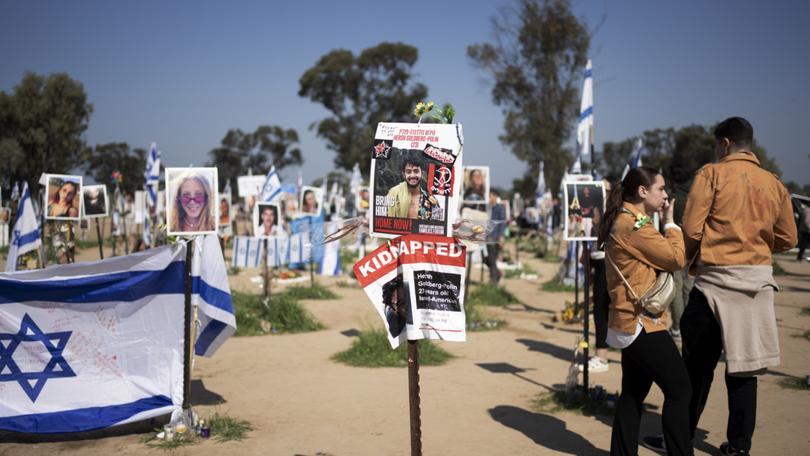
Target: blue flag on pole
[(26, 235)]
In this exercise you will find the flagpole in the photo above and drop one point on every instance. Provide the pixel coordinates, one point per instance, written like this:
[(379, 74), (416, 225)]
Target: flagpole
[(413, 396), (187, 328), (100, 239)]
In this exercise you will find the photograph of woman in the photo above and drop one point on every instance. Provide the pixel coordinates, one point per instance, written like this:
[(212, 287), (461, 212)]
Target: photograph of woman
[(64, 200), (95, 201), (476, 184), (310, 201), (191, 204), (265, 220)]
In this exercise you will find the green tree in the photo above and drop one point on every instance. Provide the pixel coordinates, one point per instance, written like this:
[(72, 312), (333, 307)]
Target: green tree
[(103, 159), (41, 127), (535, 64), (359, 92), (268, 145)]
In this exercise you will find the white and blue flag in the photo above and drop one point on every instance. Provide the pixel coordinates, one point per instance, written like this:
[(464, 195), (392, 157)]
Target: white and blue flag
[(247, 252), (87, 346), (635, 162), (151, 175), (26, 234), (585, 126), (212, 294), (272, 186)]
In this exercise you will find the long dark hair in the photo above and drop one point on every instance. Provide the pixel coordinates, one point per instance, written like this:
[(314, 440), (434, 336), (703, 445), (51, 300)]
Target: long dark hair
[(626, 190)]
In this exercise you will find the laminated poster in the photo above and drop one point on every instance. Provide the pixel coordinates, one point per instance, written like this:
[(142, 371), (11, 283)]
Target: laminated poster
[(415, 179), (416, 284)]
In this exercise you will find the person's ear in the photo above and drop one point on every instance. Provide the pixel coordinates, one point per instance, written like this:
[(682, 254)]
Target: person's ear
[(642, 191)]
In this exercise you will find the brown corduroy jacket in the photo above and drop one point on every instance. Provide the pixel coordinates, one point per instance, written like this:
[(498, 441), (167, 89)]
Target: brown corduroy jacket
[(737, 214), (639, 255)]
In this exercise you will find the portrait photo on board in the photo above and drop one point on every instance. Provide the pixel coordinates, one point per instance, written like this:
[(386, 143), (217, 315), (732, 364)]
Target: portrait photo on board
[(311, 201), (64, 200), (476, 184), (414, 179), (192, 203), (583, 208), (94, 201), (267, 220)]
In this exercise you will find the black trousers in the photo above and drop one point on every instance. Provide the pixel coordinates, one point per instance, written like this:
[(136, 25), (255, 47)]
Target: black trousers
[(652, 357), (702, 345), (493, 250), (804, 239), (601, 302)]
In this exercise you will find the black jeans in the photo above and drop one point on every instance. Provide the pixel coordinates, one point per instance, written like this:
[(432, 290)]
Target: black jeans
[(493, 250), (702, 345), (652, 357), (601, 302), (804, 239)]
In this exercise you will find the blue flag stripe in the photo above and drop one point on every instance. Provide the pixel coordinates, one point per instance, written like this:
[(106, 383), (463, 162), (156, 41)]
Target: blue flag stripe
[(211, 295), (79, 420), (208, 335)]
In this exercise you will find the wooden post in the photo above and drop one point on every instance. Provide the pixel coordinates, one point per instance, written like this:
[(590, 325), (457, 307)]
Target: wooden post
[(413, 393), (517, 244), (586, 302), (100, 239), (576, 278), (266, 274)]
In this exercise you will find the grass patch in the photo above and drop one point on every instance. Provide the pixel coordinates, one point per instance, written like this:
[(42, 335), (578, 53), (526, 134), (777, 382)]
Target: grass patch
[(795, 383), (778, 270), (517, 272), (226, 429), (559, 401), (476, 318), (371, 349), (283, 314), (316, 291), (489, 295), (556, 287), (552, 258)]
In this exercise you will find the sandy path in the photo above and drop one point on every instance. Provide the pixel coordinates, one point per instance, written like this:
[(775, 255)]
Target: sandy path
[(301, 402)]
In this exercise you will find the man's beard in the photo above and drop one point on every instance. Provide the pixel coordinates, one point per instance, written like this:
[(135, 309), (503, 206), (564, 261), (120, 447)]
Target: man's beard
[(412, 185)]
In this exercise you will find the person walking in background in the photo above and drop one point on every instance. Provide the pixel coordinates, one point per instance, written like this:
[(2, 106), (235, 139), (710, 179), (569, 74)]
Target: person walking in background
[(635, 252), (497, 214), (804, 231), (736, 216)]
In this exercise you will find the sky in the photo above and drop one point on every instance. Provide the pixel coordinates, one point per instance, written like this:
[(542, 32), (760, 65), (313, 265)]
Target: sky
[(182, 73)]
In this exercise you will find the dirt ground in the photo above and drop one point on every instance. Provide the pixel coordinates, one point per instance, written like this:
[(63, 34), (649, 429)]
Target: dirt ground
[(299, 402)]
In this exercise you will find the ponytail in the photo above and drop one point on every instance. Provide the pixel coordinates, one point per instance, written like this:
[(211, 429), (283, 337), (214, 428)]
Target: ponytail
[(626, 190)]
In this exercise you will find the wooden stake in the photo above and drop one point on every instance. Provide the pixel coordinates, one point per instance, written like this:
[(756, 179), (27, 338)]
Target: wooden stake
[(414, 402)]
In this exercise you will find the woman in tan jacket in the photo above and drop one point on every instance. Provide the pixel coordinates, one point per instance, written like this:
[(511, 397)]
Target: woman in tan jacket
[(649, 355)]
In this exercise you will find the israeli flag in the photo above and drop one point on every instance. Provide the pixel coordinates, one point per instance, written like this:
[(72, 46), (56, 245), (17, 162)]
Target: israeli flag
[(585, 126), (541, 186), (576, 167), (300, 248), (635, 162), (212, 295), (272, 186), (26, 234), (151, 175), (247, 252), (330, 265)]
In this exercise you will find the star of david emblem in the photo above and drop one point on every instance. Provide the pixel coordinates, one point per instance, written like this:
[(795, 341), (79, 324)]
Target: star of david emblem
[(33, 382), (381, 150)]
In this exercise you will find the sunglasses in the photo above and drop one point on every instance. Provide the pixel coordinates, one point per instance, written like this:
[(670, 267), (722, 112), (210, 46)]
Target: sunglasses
[(199, 199)]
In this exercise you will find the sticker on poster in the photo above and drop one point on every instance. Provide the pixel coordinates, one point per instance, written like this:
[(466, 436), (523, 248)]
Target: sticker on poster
[(413, 186), (584, 204), (192, 202), (94, 204)]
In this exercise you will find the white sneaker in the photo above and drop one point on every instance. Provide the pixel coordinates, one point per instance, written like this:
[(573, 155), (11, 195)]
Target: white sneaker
[(595, 365)]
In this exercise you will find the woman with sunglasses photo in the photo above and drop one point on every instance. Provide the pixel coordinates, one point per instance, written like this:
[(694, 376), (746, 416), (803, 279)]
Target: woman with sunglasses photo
[(191, 206)]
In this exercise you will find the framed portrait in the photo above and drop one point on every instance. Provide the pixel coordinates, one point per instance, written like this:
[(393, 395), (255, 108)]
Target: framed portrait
[(94, 201), (5, 216), (476, 185), (267, 220), (583, 207), (415, 187), (63, 197), (362, 199), (224, 224), (192, 201), (311, 201)]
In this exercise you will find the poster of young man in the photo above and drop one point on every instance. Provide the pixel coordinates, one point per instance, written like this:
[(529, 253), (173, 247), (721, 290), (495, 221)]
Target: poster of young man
[(476, 187), (414, 179), (266, 220), (192, 203), (311, 201), (63, 197), (583, 208), (95, 201), (224, 225)]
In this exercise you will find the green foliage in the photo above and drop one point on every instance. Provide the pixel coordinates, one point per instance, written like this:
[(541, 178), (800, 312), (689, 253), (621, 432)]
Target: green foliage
[(283, 314), (516, 273), (535, 64), (42, 125), (371, 349), (476, 319), (240, 151), (794, 383), (103, 159), (490, 295), (316, 291), (556, 287), (359, 92), (558, 401), (778, 270), (225, 428)]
